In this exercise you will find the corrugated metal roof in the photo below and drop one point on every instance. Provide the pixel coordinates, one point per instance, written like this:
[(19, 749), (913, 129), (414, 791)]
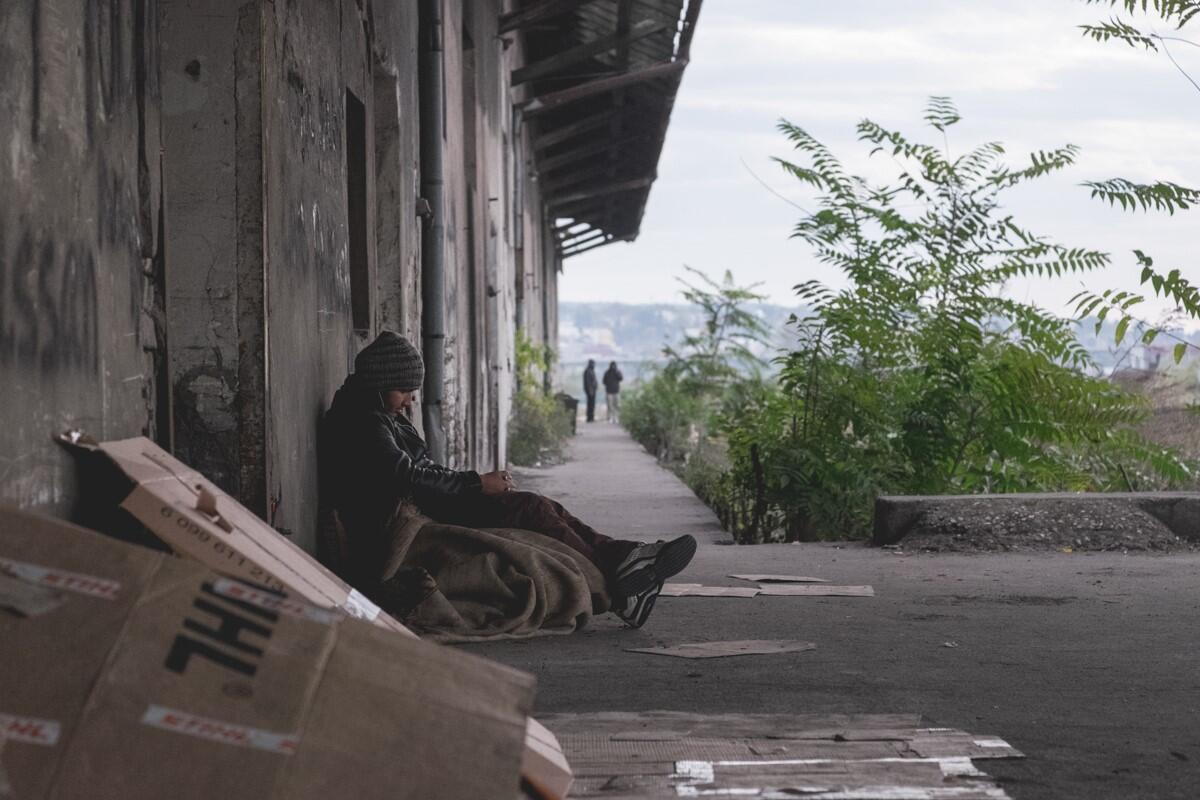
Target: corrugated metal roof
[(604, 78)]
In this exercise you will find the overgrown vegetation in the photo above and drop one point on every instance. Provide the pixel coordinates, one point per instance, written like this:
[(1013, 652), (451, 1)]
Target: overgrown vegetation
[(706, 376), (539, 427), (918, 377)]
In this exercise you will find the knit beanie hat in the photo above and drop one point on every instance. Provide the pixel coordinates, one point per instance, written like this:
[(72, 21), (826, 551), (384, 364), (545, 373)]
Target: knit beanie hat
[(389, 362)]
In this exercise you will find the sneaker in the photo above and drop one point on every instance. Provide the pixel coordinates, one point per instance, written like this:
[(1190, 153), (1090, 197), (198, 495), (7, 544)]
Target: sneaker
[(636, 608), (650, 565)]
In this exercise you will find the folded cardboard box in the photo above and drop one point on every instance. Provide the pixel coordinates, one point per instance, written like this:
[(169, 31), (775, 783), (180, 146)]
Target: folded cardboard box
[(196, 518), (129, 673)]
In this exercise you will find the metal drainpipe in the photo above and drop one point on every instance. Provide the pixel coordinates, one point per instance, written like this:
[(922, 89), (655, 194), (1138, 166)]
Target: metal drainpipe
[(433, 283)]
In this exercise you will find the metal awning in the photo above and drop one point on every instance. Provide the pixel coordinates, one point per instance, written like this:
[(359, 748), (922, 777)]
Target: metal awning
[(600, 79)]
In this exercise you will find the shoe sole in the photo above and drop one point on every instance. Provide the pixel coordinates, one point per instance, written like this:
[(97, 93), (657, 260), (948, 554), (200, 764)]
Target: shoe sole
[(643, 613), (670, 561)]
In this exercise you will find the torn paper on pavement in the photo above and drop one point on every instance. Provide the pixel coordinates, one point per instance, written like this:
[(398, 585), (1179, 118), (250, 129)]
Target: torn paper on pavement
[(747, 647), (823, 590), (696, 590), (774, 589), (778, 579)]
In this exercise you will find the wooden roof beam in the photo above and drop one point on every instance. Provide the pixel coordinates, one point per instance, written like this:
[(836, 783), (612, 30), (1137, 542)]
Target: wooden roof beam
[(586, 238), (576, 251), (588, 207), (564, 132), (548, 66), (600, 191), (538, 12), (551, 163), (573, 179), (587, 89), (567, 232)]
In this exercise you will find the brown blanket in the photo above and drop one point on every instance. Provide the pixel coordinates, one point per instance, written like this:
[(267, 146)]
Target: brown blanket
[(456, 584)]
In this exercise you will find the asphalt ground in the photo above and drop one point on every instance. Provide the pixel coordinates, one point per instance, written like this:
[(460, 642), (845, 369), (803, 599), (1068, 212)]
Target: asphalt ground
[(1088, 663)]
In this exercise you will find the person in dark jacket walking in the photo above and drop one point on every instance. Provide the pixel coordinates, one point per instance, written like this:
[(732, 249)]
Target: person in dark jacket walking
[(612, 392), (376, 458), (589, 389)]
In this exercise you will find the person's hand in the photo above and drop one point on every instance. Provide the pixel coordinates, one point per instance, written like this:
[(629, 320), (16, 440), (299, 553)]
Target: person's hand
[(497, 482)]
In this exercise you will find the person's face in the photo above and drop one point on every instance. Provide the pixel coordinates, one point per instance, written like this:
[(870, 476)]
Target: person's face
[(398, 402)]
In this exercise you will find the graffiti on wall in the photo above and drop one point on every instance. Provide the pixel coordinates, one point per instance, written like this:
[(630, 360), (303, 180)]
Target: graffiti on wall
[(49, 318), (74, 213)]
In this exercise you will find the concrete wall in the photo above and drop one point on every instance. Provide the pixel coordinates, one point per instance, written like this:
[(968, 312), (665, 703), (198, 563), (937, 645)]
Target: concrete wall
[(478, 129), (227, 335), (397, 168), (200, 123), (79, 248)]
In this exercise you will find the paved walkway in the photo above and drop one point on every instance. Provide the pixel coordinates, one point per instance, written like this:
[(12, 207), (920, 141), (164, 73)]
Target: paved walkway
[(1090, 664)]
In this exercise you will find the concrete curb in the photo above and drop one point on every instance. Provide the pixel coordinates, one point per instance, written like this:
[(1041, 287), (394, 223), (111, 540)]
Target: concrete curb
[(898, 515)]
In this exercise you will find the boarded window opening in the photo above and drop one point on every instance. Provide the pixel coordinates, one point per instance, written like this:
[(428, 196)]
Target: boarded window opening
[(356, 207)]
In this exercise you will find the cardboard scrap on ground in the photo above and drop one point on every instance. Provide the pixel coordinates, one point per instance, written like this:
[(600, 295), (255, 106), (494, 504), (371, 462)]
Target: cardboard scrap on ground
[(819, 756), (777, 590), (721, 649), (801, 590), (778, 579), (543, 764), (696, 590), (155, 677)]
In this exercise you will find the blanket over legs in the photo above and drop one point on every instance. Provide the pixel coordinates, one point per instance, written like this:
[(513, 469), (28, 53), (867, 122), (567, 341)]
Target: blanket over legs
[(455, 584)]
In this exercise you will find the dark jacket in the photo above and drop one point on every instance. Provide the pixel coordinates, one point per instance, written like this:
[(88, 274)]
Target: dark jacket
[(370, 461), (589, 380), (612, 380)]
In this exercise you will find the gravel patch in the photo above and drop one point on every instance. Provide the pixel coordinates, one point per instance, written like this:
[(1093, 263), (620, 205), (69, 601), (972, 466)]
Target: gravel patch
[(1043, 525)]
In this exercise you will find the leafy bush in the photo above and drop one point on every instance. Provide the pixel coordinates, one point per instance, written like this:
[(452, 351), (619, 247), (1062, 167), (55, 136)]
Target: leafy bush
[(919, 377), (675, 408), (539, 427)]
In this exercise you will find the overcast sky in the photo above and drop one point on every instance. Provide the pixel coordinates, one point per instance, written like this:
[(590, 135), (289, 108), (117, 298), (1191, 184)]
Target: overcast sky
[(1020, 73)]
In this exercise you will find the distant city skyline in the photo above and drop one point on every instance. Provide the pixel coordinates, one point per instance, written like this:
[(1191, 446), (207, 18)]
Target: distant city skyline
[(1020, 73)]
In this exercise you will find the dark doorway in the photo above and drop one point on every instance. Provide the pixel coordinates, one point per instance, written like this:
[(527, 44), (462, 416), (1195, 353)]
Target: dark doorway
[(356, 208)]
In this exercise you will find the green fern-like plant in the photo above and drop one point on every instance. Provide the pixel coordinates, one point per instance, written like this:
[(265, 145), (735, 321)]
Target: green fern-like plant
[(1157, 196), (921, 376), (1177, 13)]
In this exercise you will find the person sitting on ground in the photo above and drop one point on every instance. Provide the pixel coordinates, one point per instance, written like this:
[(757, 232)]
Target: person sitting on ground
[(378, 459)]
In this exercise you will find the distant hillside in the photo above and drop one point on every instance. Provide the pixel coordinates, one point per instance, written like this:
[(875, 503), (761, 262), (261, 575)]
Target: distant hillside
[(633, 332)]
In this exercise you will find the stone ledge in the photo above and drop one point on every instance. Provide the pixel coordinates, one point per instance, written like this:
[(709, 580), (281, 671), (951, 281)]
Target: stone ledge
[(897, 516)]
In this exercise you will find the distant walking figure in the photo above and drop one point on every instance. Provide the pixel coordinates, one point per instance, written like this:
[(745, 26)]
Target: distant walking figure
[(612, 391), (589, 389)]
